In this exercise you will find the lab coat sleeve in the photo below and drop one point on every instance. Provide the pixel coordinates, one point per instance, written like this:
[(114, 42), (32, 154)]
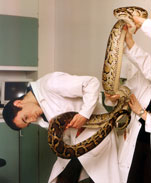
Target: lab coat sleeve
[(110, 103), (141, 59), (72, 86), (146, 27), (148, 123)]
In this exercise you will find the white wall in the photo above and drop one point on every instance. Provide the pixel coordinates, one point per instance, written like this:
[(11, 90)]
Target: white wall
[(27, 8), (46, 36), (81, 33)]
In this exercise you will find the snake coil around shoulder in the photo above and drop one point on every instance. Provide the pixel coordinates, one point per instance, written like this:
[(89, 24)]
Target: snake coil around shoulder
[(110, 82)]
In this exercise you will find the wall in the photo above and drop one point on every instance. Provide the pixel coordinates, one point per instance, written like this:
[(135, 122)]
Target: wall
[(25, 8), (81, 33), (46, 36)]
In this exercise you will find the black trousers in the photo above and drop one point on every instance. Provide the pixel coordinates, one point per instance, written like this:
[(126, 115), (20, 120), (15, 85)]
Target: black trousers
[(140, 171), (71, 173)]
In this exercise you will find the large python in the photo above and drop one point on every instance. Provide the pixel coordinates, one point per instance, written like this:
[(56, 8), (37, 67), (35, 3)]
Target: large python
[(110, 82)]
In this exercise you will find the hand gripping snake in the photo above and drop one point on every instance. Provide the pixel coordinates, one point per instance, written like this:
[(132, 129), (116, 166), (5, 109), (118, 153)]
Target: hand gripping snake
[(110, 82)]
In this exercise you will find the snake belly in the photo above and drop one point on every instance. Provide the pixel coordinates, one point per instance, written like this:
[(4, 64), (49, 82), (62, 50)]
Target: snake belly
[(110, 81)]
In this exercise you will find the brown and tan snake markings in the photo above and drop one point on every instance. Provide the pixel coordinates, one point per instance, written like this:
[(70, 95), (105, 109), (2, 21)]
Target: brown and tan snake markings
[(120, 116)]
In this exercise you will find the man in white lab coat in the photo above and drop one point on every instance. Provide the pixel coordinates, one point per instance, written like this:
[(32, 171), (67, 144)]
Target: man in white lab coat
[(57, 93)]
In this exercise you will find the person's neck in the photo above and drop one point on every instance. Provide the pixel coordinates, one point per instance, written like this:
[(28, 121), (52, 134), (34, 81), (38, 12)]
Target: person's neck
[(29, 97)]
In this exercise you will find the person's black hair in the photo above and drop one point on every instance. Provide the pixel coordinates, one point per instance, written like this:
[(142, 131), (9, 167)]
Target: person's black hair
[(9, 113)]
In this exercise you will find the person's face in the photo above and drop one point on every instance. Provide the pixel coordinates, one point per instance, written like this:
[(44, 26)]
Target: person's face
[(30, 112)]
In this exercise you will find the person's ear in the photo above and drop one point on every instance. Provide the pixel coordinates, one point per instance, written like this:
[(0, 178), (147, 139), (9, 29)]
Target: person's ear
[(18, 103)]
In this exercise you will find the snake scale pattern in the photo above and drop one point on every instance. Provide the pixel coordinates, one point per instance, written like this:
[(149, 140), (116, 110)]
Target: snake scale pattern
[(110, 81)]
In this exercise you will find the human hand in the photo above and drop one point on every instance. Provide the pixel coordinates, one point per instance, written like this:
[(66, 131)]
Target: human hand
[(112, 98), (77, 122), (128, 37), (138, 21), (134, 104)]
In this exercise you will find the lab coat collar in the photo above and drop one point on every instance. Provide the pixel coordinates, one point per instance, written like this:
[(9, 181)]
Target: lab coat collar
[(35, 90)]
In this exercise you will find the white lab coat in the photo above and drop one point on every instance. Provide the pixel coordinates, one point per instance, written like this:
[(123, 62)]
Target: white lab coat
[(139, 81), (61, 92)]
